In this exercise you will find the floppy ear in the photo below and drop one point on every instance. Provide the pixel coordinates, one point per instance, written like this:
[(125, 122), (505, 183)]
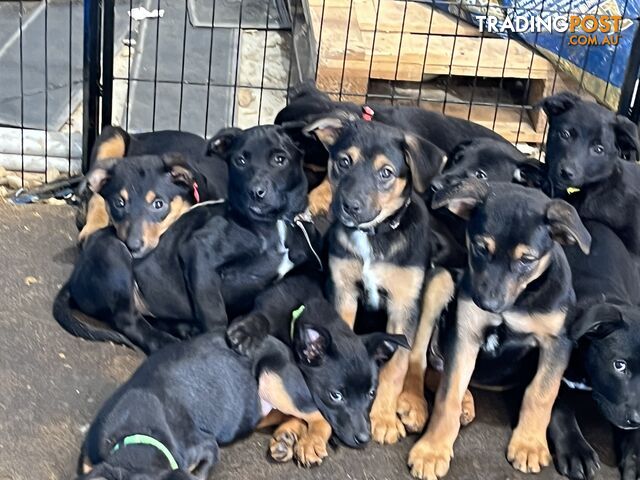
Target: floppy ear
[(627, 138), (566, 227), (462, 198), (559, 103), (381, 346), (327, 130), (219, 144), (311, 343), (178, 167), (101, 173), (596, 322), (530, 174), (425, 160)]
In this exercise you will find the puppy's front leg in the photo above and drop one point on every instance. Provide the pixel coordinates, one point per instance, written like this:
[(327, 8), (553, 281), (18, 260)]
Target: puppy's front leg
[(345, 272), (431, 455), (96, 218), (528, 450)]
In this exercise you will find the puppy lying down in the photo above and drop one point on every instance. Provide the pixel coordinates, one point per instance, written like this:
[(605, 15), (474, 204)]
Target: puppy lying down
[(169, 419)]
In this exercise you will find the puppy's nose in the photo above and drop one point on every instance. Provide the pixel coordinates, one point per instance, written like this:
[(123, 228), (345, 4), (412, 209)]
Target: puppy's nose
[(134, 244), (258, 192), (362, 438), (634, 419), (567, 173), (351, 206), (436, 185)]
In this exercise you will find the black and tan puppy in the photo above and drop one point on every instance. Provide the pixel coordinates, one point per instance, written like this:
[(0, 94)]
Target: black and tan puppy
[(379, 255), (606, 326), (185, 401), (340, 367), (588, 148), (209, 172), (210, 263), (517, 276)]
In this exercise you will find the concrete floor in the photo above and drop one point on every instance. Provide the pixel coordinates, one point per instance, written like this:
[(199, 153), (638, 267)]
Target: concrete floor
[(51, 384)]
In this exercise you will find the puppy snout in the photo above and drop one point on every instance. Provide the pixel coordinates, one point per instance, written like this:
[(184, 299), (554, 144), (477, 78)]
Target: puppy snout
[(134, 244), (259, 191), (567, 173), (362, 438), (351, 206), (634, 419)]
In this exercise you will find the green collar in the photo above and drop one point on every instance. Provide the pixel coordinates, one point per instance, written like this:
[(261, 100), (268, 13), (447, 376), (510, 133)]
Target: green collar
[(140, 439), (295, 315)]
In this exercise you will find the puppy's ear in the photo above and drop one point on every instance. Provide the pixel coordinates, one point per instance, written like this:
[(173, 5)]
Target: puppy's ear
[(559, 103), (566, 227), (530, 174), (627, 139), (596, 322), (425, 160), (220, 143), (462, 198), (178, 167), (100, 174), (327, 130), (311, 343), (381, 346)]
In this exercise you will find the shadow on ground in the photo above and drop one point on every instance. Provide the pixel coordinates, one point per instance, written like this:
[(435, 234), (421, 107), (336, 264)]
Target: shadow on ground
[(52, 384)]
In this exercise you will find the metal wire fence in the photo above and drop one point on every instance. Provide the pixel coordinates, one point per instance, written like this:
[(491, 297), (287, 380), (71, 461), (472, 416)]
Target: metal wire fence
[(70, 67)]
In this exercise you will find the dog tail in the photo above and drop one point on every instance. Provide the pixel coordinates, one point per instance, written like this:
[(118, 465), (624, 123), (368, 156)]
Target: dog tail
[(63, 313)]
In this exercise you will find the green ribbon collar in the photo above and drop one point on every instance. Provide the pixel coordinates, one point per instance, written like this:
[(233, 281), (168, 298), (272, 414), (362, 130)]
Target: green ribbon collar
[(295, 315), (140, 439)]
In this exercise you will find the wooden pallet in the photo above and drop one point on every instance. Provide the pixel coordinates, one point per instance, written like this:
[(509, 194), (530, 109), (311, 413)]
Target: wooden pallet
[(359, 40)]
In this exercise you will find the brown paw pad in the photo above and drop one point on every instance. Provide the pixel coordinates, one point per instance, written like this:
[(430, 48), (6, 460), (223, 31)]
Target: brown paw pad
[(429, 462), (528, 455), (281, 446), (310, 450), (413, 412), (387, 428)]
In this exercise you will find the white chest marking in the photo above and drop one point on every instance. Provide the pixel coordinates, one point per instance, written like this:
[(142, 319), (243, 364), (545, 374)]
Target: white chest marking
[(285, 264), (363, 249)]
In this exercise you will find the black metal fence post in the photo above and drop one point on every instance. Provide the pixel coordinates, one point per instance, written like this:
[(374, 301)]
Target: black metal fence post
[(90, 78), (629, 105), (107, 61)]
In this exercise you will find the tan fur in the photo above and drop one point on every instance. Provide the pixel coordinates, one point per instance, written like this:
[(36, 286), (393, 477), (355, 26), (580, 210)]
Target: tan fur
[(380, 161), (355, 154), (540, 324), (345, 273), (150, 196), (521, 250), (124, 194), (403, 286), (320, 198), (284, 439), (113, 147), (97, 217), (489, 243), (151, 232)]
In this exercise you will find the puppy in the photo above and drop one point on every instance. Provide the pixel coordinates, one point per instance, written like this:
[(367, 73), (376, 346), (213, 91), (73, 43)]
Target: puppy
[(379, 255), (587, 149), (517, 276), (185, 401), (340, 367), (210, 263), (209, 172), (606, 326)]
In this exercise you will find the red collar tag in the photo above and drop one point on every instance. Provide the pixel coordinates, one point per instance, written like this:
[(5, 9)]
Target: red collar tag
[(367, 113), (196, 192)]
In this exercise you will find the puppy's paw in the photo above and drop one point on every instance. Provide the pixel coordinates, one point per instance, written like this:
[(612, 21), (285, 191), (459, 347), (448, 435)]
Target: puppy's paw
[(413, 411), (282, 445), (386, 427), (528, 454), (468, 414), (576, 459), (246, 334), (429, 461), (310, 450)]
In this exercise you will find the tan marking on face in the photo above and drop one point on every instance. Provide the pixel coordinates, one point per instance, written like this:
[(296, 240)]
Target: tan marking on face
[(124, 194), (345, 274), (122, 229), (113, 147), (354, 153), (150, 196), (515, 288), (97, 217), (87, 466), (380, 161), (388, 202), (320, 198), (151, 232), (488, 241), (522, 249), (541, 325)]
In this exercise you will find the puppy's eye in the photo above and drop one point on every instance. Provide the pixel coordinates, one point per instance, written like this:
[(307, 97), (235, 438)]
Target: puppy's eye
[(386, 173), (119, 202), (336, 396), (620, 366), (527, 259), (480, 246), (480, 174), (158, 204), (372, 392), (279, 159), (344, 161), (598, 149), (240, 161), (565, 134)]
